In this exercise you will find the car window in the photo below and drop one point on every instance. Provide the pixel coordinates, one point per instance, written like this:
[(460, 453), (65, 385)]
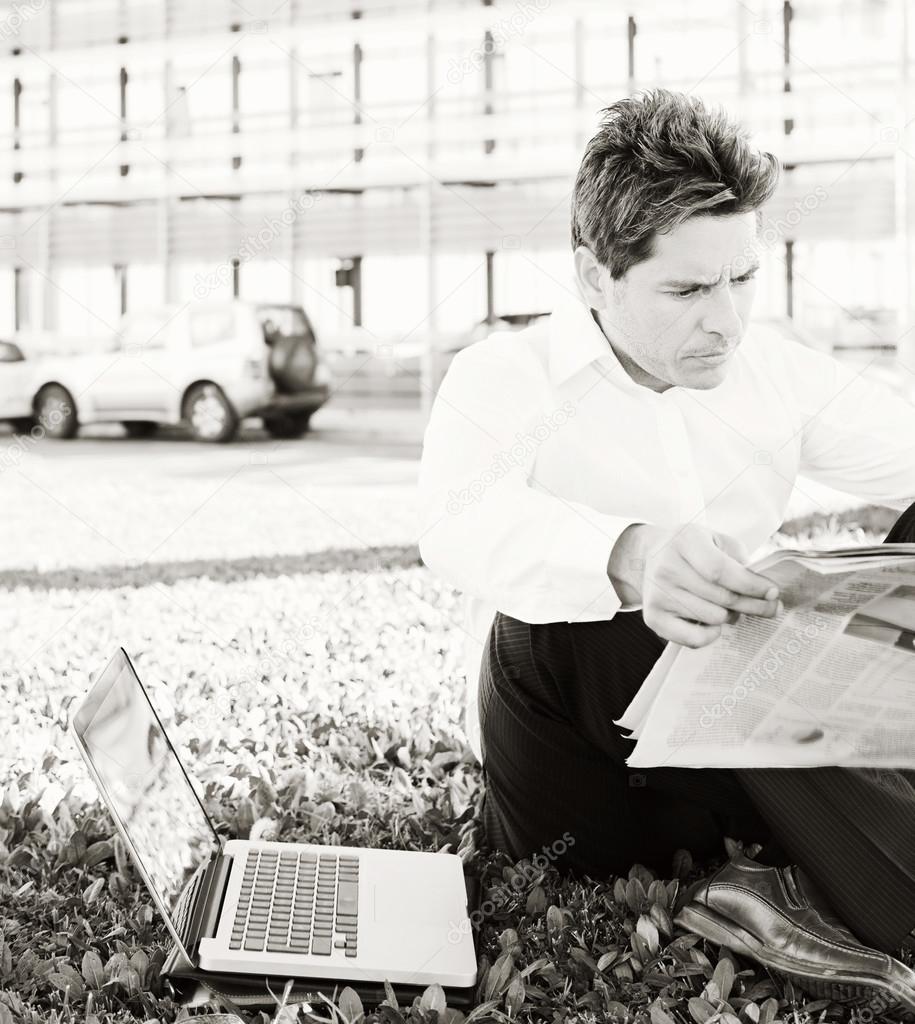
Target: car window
[(10, 353), (208, 326), (143, 331), (283, 322)]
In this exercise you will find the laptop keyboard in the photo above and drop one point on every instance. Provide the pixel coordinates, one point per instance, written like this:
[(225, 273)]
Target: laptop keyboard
[(293, 902)]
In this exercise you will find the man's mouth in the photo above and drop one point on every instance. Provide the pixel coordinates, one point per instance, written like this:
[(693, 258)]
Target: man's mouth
[(714, 356)]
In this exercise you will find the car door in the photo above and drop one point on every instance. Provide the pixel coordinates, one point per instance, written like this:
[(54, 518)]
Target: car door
[(15, 382), (136, 385)]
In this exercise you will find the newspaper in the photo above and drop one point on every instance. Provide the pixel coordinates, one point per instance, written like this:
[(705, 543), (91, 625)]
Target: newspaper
[(830, 681)]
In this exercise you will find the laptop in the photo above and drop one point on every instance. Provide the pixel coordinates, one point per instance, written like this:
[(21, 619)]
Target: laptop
[(261, 907)]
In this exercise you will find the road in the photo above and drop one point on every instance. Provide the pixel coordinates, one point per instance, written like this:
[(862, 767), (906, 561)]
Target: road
[(104, 500)]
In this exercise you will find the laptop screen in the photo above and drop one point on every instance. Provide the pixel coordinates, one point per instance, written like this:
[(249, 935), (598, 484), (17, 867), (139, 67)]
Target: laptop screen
[(144, 783)]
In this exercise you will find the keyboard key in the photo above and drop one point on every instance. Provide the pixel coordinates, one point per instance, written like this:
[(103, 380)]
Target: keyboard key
[(253, 942), (339, 943), (347, 898), (350, 950), (321, 946)]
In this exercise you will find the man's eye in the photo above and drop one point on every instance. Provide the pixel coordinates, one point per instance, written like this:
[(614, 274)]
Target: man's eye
[(686, 293), (745, 277)]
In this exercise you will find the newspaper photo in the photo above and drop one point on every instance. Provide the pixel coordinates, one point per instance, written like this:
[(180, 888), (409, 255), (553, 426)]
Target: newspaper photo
[(830, 681)]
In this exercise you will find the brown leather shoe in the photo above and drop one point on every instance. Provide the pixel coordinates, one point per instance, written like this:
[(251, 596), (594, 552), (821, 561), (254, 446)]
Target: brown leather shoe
[(777, 916)]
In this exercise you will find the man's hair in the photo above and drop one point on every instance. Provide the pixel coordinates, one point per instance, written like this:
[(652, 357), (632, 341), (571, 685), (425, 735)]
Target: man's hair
[(657, 159)]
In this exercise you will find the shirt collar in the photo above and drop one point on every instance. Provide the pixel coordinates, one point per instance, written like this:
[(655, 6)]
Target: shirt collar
[(576, 339)]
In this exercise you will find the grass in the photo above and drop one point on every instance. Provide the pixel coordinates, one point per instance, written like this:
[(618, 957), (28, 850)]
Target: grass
[(316, 699)]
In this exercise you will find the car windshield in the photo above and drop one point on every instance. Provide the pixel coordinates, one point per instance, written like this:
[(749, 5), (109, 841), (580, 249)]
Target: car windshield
[(283, 322)]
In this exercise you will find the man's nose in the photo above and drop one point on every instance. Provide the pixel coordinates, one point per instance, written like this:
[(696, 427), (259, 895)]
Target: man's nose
[(721, 316)]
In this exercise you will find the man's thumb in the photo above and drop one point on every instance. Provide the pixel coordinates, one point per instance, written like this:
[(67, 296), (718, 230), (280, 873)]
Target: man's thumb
[(731, 546)]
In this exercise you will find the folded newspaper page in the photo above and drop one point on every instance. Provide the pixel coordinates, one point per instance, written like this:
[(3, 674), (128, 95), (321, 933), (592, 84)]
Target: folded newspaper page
[(831, 681)]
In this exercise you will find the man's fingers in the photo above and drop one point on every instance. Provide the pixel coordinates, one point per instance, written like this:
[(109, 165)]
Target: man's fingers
[(686, 605), (688, 634), (716, 566), (691, 581)]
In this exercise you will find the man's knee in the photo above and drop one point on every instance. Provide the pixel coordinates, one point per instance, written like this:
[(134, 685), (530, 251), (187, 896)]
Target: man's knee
[(903, 530)]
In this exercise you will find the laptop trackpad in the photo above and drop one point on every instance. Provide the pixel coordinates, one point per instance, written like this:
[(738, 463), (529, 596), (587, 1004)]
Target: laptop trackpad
[(396, 904)]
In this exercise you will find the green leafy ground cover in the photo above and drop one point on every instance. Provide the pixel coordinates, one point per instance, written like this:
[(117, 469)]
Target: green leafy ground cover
[(316, 699)]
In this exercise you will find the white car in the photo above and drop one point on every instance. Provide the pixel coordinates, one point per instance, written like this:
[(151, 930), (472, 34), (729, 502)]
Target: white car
[(15, 386), (208, 365)]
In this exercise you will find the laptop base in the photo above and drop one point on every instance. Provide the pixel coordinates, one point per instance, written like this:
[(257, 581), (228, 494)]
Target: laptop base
[(192, 986)]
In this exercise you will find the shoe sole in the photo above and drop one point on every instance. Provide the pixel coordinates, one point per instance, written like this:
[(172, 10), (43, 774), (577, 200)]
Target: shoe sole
[(712, 926)]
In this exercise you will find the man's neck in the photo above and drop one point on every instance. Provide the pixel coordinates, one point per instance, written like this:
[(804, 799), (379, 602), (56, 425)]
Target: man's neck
[(632, 368)]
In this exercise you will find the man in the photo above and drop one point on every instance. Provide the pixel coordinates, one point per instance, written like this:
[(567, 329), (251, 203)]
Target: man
[(596, 486)]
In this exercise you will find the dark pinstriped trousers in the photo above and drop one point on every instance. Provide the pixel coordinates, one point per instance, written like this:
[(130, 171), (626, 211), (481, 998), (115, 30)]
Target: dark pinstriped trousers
[(554, 763)]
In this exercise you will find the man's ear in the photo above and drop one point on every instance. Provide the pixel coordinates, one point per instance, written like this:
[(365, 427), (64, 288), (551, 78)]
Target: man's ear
[(589, 271)]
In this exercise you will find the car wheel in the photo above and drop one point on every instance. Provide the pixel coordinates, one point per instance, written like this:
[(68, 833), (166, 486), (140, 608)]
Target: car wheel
[(55, 411), (140, 428), (210, 414), (287, 425)]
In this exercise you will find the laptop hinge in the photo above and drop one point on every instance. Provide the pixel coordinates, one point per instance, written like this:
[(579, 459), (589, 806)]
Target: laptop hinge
[(209, 905)]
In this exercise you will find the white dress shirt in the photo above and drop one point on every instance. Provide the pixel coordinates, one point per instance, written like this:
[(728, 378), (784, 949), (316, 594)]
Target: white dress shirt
[(541, 449)]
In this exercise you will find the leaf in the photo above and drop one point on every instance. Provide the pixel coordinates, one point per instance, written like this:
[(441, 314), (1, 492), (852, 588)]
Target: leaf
[(768, 1010), (661, 920), (390, 996), (733, 847), (536, 900), (66, 977), (635, 895), (751, 1010), (583, 957), (90, 893), (6, 1016), (659, 1015), (514, 998), (700, 1009), (682, 863), (649, 932), (128, 977), (433, 998), (554, 921), (350, 1005), (642, 873), (499, 976), (617, 1012), (98, 852), (619, 891), (657, 893), (724, 978), (608, 959), (93, 969), (639, 946)]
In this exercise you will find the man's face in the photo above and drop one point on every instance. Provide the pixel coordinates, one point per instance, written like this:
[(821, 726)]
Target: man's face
[(676, 318)]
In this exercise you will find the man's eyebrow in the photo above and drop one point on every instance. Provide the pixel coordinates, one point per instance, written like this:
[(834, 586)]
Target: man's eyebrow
[(698, 284)]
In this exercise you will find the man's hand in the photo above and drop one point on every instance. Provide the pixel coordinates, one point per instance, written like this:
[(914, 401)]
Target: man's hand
[(690, 581)]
